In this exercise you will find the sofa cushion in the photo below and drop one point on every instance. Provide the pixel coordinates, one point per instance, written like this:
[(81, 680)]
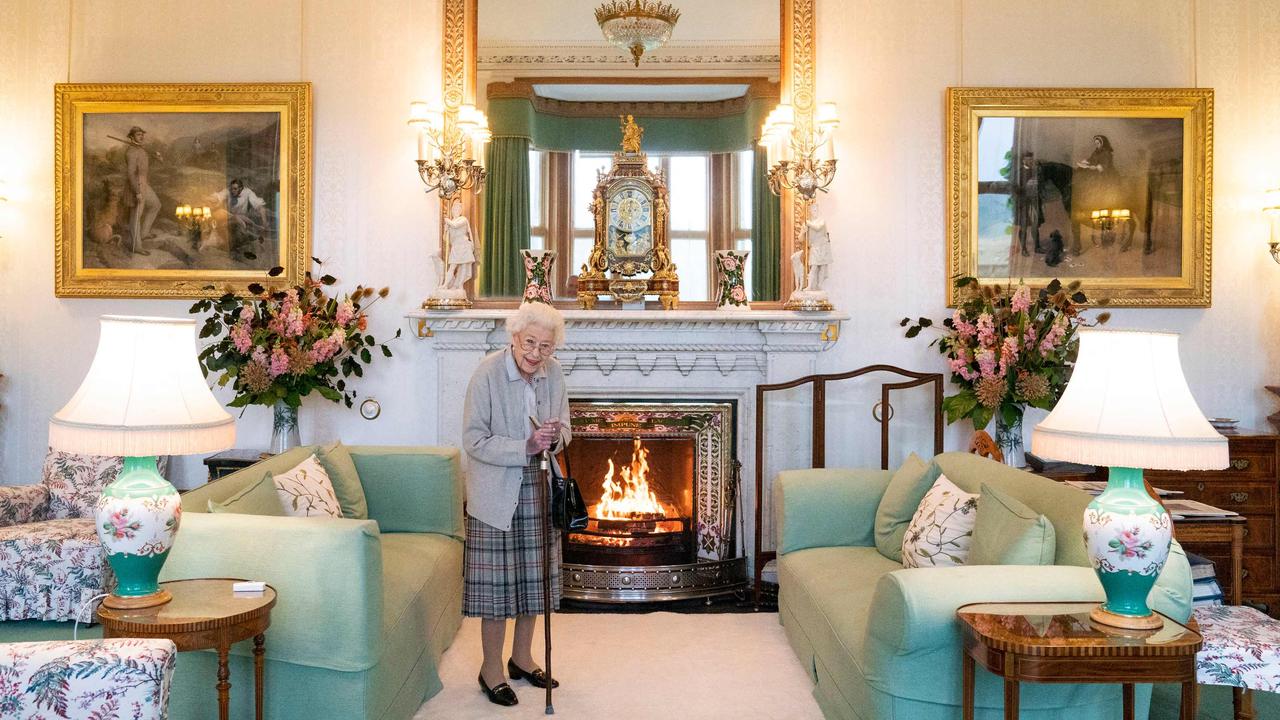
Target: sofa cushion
[(1062, 504), (942, 528), (898, 504), (1008, 532), (259, 498), (346, 481), (305, 490), (50, 569)]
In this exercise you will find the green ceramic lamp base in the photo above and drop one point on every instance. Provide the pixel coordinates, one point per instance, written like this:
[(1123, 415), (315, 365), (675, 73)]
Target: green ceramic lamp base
[(1127, 534), (137, 518)]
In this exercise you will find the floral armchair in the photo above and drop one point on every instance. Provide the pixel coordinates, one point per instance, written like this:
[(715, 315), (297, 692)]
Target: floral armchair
[(118, 678), (51, 561)]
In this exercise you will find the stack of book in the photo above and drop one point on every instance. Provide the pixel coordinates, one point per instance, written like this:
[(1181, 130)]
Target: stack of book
[(1205, 589)]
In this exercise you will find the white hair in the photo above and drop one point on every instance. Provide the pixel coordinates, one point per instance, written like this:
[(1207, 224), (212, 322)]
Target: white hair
[(540, 314)]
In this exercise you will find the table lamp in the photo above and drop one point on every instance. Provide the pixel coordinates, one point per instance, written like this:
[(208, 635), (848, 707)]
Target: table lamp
[(144, 396), (1127, 407)]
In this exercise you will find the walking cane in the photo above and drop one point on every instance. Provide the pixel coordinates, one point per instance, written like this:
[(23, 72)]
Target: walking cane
[(546, 570)]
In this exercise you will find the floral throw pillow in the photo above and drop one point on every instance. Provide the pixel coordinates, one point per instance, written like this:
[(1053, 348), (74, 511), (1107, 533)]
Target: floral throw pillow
[(942, 528), (306, 491)]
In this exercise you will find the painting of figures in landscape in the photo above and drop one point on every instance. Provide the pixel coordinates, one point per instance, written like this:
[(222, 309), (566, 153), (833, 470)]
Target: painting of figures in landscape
[(138, 168), (167, 190), (1080, 197)]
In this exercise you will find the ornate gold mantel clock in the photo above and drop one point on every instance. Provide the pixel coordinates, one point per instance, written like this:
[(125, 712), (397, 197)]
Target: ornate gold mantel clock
[(630, 208)]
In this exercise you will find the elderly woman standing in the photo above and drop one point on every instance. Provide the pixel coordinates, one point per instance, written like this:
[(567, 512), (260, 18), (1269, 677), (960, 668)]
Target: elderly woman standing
[(505, 520)]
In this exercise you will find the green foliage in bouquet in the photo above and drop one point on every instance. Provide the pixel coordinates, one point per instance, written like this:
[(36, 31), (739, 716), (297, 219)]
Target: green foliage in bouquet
[(282, 345), (1008, 347)]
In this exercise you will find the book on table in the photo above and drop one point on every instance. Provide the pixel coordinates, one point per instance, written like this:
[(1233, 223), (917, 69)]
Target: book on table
[(1183, 508)]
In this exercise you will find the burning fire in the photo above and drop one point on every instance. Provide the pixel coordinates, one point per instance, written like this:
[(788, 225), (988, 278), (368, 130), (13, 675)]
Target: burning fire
[(630, 498)]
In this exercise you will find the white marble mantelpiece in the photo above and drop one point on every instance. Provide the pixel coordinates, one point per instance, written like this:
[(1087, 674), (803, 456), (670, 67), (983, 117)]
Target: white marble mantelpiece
[(642, 354)]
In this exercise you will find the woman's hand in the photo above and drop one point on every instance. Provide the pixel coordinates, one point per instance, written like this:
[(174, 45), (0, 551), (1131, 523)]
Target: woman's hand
[(544, 437)]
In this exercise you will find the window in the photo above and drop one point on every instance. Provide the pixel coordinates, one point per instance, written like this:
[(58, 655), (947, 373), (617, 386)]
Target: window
[(537, 202), (710, 209)]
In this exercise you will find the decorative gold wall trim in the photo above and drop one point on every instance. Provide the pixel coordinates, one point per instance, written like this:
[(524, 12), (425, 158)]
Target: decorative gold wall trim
[(799, 57)]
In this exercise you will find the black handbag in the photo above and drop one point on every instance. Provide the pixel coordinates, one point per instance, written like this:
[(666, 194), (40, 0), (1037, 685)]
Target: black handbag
[(568, 509)]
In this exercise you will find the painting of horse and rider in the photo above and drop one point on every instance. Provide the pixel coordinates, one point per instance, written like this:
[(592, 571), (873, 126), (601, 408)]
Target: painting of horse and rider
[(1085, 197)]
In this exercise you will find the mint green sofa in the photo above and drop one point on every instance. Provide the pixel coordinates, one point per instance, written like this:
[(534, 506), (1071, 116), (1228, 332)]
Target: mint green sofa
[(365, 607), (882, 643)]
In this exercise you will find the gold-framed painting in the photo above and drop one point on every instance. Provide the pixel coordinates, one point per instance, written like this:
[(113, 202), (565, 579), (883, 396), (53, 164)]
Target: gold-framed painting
[(1109, 186), (174, 191)]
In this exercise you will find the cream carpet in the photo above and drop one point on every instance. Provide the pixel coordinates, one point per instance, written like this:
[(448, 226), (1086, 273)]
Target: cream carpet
[(642, 667)]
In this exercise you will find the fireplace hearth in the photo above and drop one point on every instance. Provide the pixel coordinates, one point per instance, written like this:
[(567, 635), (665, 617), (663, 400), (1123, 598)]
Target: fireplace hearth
[(660, 483)]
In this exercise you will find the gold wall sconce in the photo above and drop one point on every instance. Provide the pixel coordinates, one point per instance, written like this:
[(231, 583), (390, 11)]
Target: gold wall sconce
[(450, 147), (805, 163)]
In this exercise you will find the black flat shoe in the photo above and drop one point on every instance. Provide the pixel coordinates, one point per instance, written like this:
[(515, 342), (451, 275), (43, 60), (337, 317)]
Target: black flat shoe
[(537, 678), (501, 695)]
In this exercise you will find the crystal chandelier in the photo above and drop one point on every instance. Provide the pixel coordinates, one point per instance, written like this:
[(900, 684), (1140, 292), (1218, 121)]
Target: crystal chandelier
[(637, 25), (450, 147), (793, 158)]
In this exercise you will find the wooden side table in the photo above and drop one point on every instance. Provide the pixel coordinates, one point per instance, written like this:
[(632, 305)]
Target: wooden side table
[(229, 461), (1058, 642), (204, 614)]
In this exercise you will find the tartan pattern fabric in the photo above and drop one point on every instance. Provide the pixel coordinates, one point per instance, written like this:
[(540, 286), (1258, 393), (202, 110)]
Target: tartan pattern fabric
[(503, 570)]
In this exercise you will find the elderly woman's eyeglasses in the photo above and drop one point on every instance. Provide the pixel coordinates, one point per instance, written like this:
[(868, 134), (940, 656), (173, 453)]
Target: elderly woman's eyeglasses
[(529, 345)]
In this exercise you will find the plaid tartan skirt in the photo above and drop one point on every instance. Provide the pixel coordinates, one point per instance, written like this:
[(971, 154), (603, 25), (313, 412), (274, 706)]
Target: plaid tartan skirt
[(503, 569)]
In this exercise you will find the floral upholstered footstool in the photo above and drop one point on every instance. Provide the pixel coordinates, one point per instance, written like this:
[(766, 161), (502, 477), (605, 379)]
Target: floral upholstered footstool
[(1241, 649), (125, 678)]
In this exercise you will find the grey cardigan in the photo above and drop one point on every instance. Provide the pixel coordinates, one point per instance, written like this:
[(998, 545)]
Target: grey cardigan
[(496, 427)]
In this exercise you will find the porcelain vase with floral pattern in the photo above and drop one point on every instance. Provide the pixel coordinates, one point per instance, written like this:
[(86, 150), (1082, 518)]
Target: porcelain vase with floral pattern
[(733, 267), (1126, 534), (137, 519), (537, 274)]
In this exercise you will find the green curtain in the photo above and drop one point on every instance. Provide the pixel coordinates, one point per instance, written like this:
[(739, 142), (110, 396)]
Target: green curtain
[(766, 233), (506, 217)]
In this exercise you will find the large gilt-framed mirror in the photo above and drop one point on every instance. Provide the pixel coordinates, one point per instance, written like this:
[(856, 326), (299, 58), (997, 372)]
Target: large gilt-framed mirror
[(553, 88)]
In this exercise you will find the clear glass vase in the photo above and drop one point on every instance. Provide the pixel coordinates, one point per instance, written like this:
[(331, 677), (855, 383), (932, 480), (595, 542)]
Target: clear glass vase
[(1009, 439), (284, 428)]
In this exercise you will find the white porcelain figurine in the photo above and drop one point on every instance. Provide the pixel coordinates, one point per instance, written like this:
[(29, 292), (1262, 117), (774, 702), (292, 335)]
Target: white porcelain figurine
[(460, 246), (809, 293)]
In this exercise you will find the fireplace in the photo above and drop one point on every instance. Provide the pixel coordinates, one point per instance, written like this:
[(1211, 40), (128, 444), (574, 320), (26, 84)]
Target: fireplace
[(660, 482)]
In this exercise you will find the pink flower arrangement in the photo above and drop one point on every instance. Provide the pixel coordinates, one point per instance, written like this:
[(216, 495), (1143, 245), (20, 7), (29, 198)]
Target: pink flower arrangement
[(1008, 347), (280, 345)]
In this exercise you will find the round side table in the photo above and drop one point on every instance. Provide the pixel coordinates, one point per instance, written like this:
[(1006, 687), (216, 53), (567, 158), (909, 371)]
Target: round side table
[(204, 614)]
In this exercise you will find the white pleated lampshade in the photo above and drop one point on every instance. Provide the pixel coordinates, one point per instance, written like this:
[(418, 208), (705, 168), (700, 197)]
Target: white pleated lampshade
[(144, 395), (1128, 405)]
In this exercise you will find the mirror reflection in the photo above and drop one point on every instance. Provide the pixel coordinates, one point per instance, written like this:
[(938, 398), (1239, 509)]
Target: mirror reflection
[(554, 88)]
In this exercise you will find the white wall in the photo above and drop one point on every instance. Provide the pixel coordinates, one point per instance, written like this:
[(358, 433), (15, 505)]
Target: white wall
[(886, 62), (366, 62)]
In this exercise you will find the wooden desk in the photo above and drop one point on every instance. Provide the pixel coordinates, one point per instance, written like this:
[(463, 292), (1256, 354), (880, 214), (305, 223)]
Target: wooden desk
[(1191, 531), (204, 614), (1059, 643)]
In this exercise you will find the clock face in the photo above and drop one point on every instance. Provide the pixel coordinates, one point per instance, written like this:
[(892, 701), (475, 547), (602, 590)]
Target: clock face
[(630, 223)]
